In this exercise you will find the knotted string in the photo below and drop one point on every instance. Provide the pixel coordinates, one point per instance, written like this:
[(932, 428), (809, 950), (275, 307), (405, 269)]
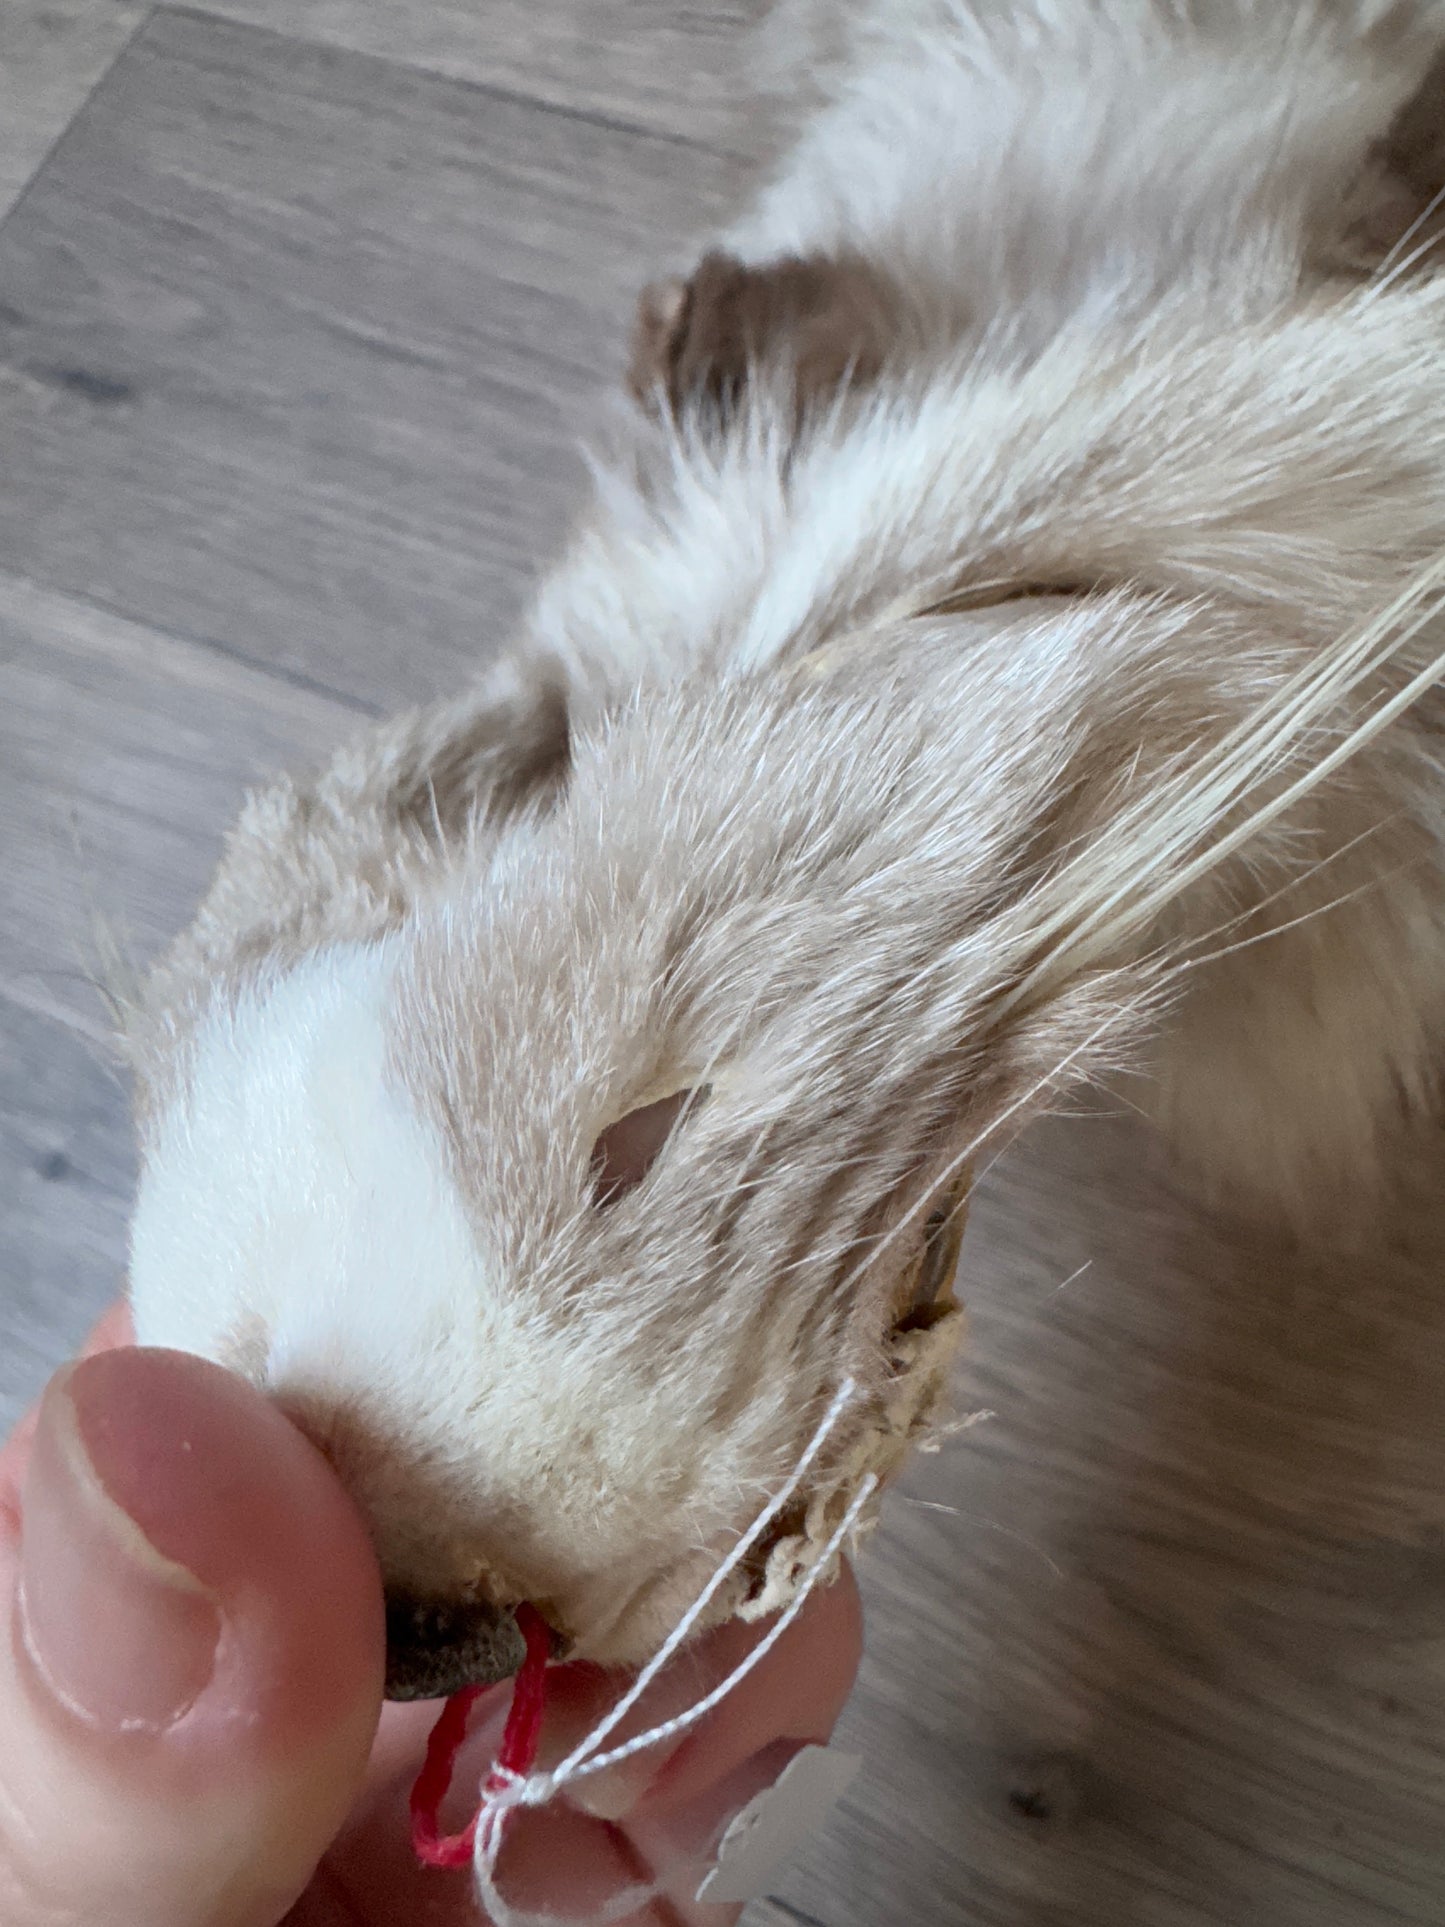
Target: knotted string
[(515, 1759), (511, 1783)]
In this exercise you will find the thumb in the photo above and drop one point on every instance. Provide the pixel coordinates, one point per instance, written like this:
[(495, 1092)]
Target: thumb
[(191, 1673)]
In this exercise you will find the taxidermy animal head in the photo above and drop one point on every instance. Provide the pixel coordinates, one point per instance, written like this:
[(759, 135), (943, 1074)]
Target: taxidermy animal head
[(560, 1096)]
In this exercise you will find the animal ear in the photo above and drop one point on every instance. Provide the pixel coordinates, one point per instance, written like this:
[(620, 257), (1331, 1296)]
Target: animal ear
[(1392, 215), (824, 321), (627, 1150), (481, 756), (926, 1290)]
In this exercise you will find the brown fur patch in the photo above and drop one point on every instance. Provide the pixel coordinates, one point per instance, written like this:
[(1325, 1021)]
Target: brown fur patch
[(827, 321), (1391, 219)]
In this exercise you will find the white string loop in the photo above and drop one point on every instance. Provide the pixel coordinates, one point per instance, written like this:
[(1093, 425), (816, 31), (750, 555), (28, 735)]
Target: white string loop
[(841, 1400), (504, 1791)]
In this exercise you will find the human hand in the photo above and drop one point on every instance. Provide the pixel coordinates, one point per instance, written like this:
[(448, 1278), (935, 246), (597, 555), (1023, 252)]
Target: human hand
[(191, 1726)]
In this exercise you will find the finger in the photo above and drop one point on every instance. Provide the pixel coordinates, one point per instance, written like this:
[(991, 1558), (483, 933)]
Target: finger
[(664, 1811), (790, 1700), (795, 1692), (193, 1668), (555, 1862), (113, 1329), (667, 1812)]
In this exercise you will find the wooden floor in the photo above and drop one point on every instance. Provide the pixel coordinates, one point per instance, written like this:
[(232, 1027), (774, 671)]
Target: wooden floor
[(303, 306)]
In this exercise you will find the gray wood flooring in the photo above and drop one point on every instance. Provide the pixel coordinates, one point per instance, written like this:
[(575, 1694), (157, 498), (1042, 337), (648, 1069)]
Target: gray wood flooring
[(303, 308)]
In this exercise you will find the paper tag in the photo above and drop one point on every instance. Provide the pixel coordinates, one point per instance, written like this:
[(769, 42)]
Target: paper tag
[(776, 1821)]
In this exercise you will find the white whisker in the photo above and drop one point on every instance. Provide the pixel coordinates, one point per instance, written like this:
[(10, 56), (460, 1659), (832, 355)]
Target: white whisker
[(1073, 1276), (988, 1525), (1381, 274)]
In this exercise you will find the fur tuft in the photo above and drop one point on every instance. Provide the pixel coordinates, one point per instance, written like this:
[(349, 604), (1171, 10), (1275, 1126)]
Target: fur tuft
[(1042, 682)]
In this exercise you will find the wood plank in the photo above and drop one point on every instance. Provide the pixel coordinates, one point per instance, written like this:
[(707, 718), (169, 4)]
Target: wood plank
[(52, 53), (295, 347), (66, 1175), (123, 756), (774, 1912), (662, 65), (1174, 1656)]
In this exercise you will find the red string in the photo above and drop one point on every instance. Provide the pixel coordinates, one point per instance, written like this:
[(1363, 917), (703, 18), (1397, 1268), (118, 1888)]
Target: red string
[(517, 1753), (432, 1848)]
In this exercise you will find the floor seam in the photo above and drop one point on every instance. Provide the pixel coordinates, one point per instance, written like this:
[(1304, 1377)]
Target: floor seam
[(90, 93), (194, 639), (491, 90)]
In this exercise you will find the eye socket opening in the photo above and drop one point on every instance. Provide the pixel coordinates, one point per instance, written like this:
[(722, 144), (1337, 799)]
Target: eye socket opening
[(627, 1150)]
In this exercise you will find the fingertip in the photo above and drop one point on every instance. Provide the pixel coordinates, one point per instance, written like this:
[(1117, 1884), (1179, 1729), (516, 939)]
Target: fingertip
[(173, 1454), (114, 1328), (197, 1651)]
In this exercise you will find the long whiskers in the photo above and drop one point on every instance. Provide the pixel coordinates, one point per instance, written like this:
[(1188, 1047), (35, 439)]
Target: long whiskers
[(988, 1525), (1294, 923), (1023, 1103), (1385, 275), (1147, 847)]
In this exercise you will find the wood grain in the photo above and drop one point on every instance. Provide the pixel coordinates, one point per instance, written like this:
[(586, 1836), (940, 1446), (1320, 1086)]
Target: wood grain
[(52, 53), (123, 756), (300, 345), (293, 346), (660, 65), (66, 1176), (1175, 1652)]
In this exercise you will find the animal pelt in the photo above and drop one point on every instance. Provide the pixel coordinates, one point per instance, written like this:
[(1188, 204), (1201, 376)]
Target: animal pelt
[(942, 699)]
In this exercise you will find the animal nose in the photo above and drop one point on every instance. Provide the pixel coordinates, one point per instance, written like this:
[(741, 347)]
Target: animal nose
[(435, 1647), (438, 1639)]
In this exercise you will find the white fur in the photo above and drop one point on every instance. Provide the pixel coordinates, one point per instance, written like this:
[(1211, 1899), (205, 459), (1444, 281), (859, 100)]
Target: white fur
[(295, 1179), (1027, 162), (297, 1220), (874, 873)]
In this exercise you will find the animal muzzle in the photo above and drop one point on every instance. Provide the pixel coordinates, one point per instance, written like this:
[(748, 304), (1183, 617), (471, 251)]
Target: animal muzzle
[(436, 1647)]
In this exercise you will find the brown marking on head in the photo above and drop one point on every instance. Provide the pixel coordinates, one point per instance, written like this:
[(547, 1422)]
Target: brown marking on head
[(828, 321), (1392, 220)]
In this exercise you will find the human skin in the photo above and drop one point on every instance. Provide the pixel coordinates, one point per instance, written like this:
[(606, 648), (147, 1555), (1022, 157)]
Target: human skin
[(191, 1723)]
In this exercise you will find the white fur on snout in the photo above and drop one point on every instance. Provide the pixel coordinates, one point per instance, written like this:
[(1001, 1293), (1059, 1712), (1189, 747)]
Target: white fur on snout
[(292, 1192), (297, 1221)]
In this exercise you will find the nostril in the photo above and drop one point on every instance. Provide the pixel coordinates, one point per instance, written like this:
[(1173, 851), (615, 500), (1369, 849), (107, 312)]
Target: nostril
[(437, 1642), (435, 1647)]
